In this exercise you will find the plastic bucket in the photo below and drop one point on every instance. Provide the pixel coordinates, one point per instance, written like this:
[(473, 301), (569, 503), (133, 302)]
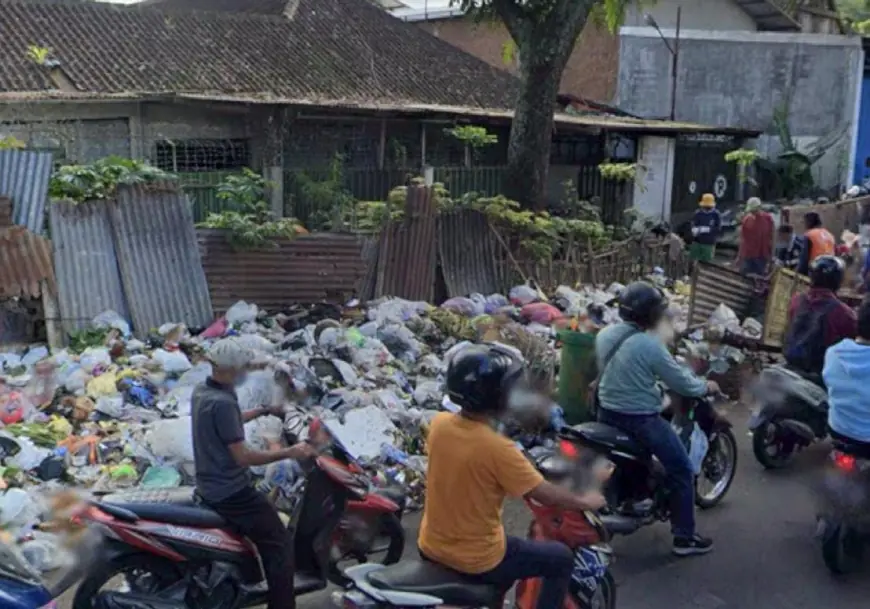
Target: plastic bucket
[(576, 371)]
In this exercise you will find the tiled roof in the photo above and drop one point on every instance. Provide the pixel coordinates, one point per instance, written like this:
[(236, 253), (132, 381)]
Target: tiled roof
[(314, 50)]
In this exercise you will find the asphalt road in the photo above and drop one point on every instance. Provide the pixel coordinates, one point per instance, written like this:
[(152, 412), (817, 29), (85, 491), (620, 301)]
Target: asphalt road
[(766, 555)]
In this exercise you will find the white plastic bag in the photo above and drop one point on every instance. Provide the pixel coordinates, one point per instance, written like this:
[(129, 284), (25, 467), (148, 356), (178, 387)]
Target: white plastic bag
[(698, 445), (93, 357), (241, 312), (111, 319), (172, 361), (170, 439)]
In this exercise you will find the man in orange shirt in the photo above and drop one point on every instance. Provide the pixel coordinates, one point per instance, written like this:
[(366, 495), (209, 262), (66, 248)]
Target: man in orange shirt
[(473, 469), (817, 241), (756, 239)]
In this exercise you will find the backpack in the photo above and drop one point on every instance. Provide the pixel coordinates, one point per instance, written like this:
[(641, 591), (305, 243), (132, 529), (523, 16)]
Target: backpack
[(805, 341)]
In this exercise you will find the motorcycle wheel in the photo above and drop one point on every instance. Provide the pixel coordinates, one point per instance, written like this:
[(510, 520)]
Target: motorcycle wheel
[(390, 530), (763, 440), (721, 463), (163, 573), (605, 595), (842, 548)]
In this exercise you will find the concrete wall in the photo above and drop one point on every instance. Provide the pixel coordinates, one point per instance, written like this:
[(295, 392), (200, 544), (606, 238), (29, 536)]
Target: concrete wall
[(737, 79), (655, 176)]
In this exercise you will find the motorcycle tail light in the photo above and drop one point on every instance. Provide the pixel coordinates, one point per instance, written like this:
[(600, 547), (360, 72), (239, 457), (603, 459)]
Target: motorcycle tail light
[(569, 449), (844, 462)]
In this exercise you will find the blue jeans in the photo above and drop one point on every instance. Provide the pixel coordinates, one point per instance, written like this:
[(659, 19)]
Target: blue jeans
[(656, 435), (527, 559), (754, 266)]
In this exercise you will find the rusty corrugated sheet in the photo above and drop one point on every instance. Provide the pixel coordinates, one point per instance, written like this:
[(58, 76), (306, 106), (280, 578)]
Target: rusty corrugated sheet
[(24, 176), (370, 252), (408, 250), (25, 262), (88, 278), (469, 253), (713, 285), (159, 259), (308, 269)]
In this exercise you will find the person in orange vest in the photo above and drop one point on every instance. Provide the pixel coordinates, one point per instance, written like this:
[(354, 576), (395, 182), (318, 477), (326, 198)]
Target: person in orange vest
[(817, 241)]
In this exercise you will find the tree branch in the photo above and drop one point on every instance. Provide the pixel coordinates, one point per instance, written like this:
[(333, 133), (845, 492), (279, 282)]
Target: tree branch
[(513, 17)]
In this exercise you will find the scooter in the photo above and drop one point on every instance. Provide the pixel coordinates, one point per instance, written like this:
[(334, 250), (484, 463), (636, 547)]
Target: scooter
[(176, 552), (791, 413), (636, 493), (425, 584), (844, 522)]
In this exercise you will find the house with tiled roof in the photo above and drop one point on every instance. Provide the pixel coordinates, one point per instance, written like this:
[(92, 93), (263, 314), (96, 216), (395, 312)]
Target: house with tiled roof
[(279, 85)]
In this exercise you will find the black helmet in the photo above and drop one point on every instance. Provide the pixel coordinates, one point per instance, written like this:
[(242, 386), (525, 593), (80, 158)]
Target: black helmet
[(827, 272), (642, 303), (480, 377)]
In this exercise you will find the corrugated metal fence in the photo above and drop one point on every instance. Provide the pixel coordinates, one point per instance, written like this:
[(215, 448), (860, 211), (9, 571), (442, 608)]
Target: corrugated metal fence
[(469, 253), (308, 269), (135, 254), (24, 176), (713, 285)]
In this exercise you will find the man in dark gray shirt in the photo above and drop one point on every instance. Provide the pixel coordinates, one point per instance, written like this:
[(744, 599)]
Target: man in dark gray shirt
[(222, 459)]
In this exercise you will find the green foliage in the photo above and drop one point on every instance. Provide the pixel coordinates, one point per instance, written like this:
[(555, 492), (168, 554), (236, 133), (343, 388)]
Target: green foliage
[(38, 55), (329, 199), (99, 180), (618, 172), (10, 142), (249, 223), (744, 159), (476, 137), (79, 340)]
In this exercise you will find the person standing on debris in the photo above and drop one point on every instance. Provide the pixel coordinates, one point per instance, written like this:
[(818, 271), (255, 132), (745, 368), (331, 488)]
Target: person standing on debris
[(706, 228), (756, 239), (472, 469), (788, 247), (631, 359), (818, 241), (222, 461)]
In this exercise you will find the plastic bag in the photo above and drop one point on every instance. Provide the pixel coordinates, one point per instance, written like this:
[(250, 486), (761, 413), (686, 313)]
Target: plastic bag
[(259, 389), (494, 302), (696, 443), (255, 342), (195, 376), (172, 361), (170, 439), (217, 329), (111, 319), (522, 295), (34, 355), (541, 313), (242, 312), (93, 357), (461, 305)]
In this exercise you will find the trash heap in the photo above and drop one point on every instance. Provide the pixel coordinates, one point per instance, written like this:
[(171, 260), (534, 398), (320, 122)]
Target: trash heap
[(112, 411)]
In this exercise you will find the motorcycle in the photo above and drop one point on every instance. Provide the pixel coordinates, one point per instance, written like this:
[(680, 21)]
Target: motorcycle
[(636, 493), (424, 584), (844, 523), (791, 414), (170, 548)]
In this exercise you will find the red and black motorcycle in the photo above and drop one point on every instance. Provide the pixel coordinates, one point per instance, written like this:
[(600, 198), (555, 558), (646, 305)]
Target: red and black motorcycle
[(164, 546)]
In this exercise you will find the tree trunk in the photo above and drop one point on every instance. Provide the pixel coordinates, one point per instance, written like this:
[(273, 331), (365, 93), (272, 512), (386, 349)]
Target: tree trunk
[(531, 133)]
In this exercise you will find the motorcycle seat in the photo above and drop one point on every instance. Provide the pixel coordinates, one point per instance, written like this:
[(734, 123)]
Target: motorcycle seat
[(606, 437), (172, 506), (425, 577)]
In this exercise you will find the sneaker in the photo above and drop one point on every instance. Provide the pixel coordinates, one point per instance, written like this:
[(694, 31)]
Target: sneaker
[(690, 546)]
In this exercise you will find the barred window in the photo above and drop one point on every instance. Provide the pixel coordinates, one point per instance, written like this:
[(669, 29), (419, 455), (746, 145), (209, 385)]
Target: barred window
[(202, 155)]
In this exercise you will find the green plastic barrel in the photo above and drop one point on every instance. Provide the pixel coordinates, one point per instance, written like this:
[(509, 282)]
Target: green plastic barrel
[(576, 371)]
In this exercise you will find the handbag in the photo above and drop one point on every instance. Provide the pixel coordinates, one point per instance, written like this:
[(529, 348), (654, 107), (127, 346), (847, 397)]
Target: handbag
[(595, 403)]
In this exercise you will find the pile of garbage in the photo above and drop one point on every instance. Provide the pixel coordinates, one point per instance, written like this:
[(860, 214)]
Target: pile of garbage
[(112, 411)]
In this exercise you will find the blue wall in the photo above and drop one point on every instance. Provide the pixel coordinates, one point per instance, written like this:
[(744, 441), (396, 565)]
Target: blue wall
[(862, 147)]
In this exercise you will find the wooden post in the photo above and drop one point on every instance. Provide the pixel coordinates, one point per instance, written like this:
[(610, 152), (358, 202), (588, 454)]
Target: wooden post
[(51, 311)]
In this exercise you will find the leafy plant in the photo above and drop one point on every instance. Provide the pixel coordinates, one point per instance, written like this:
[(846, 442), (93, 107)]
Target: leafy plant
[(619, 172), (744, 159), (99, 180), (476, 137), (10, 142), (79, 340), (330, 201), (38, 55), (249, 222)]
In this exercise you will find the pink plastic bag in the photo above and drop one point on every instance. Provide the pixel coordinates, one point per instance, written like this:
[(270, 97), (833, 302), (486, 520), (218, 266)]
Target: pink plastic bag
[(541, 313), (217, 329)]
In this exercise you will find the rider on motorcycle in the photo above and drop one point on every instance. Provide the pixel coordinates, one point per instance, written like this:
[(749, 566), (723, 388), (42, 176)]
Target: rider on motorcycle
[(630, 400), (847, 368), (818, 319), (222, 461), (472, 469)]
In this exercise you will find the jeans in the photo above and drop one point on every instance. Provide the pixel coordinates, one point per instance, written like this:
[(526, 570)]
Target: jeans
[(252, 514), (754, 266), (656, 435), (526, 559)]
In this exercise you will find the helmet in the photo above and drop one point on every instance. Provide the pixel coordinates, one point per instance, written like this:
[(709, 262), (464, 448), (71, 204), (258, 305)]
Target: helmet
[(642, 303), (827, 272), (480, 377)]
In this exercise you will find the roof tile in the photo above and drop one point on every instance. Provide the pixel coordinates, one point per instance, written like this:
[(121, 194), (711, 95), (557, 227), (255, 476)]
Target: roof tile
[(346, 50)]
